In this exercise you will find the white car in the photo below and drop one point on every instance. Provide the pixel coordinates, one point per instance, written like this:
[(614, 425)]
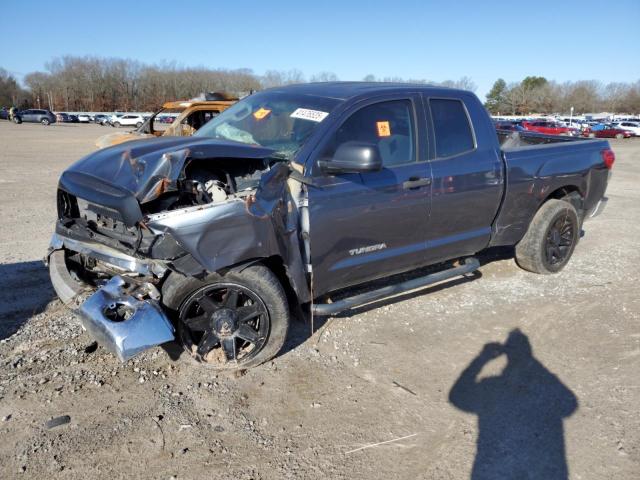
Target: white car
[(128, 120), (633, 127), (84, 118), (572, 122)]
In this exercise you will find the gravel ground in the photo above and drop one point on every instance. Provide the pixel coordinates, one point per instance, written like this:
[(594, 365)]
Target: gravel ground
[(564, 398)]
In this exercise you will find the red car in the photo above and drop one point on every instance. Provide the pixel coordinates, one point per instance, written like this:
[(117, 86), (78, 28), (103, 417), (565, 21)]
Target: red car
[(549, 128), (608, 132)]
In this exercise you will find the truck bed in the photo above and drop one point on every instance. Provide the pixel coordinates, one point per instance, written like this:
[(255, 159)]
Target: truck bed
[(509, 139), (537, 165)]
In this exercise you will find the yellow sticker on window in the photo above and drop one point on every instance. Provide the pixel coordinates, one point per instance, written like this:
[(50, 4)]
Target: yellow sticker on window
[(384, 130), (261, 113)]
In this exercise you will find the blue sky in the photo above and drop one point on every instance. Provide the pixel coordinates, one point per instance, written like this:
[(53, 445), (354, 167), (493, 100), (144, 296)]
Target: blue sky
[(437, 40)]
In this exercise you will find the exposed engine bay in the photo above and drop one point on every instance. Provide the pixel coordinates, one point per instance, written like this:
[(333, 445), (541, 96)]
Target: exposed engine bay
[(205, 182), (200, 183)]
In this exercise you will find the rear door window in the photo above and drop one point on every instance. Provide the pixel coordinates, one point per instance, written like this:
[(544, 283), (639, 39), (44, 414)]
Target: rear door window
[(451, 127)]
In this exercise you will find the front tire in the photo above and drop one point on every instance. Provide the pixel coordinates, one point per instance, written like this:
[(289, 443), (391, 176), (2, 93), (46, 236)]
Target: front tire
[(619, 136), (17, 120), (45, 121), (116, 124), (550, 239), (138, 125), (229, 322)]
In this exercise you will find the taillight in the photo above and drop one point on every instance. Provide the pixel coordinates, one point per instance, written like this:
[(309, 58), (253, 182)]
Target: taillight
[(608, 157)]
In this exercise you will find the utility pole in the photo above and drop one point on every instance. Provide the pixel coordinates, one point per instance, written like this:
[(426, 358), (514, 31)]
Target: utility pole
[(571, 118)]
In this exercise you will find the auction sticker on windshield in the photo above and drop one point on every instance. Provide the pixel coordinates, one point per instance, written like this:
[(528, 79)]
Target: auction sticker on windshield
[(261, 113), (306, 114)]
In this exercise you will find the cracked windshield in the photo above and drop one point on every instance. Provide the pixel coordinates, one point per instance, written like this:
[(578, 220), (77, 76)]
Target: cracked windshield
[(282, 122)]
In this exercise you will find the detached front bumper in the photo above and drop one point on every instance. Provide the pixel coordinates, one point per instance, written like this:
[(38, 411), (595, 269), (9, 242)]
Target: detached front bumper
[(122, 323), (124, 315)]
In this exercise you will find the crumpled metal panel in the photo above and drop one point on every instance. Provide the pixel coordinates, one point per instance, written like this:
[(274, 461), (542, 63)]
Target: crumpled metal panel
[(231, 232), (147, 168), (143, 325)]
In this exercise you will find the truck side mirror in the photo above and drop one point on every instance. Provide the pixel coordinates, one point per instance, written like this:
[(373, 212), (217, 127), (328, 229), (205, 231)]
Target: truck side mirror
[(353, 157)]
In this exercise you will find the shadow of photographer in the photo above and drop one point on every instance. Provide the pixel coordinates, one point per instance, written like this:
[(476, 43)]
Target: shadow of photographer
[(520, 414)]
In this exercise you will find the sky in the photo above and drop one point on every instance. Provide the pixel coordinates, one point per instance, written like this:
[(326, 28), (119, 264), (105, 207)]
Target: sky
[(562, 40)]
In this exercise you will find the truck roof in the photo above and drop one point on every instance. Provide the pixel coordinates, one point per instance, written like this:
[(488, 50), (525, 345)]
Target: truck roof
[(345, 90)]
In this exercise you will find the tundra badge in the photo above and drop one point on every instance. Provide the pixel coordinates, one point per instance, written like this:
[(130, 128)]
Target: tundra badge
[(368, 249)]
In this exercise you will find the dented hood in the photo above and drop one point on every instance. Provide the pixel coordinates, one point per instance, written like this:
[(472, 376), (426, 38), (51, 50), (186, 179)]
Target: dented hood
[(123, 176)]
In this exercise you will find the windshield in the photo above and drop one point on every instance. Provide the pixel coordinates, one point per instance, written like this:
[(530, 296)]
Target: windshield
[(275, 120)]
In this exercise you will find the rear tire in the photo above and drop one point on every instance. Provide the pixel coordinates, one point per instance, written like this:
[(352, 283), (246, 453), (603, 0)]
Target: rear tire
[(116, 124), (619, 136), (550, 239), (257, 286)]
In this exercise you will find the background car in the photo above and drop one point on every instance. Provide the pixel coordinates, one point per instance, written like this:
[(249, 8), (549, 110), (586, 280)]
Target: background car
[(114, 118), (62, 117), (127, 120), (84, 118), (608, 131), (550, 128), (510, 126), (73, 118), (100, 118), (633, 127), (33, 115), (573, 123)]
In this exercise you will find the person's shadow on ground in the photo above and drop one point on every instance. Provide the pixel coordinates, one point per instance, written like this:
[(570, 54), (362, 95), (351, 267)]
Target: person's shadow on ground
[(520, 414)]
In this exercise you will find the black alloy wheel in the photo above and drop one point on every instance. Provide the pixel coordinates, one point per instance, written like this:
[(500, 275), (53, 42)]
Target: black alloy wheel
[(223, 324), (551, 238), (559, 240)]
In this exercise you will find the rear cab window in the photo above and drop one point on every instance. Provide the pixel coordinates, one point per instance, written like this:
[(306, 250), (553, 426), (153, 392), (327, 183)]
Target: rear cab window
[(452, 127)]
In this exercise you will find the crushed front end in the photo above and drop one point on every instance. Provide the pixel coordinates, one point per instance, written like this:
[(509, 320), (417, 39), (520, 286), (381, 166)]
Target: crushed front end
[(116, 294), (129, 218)]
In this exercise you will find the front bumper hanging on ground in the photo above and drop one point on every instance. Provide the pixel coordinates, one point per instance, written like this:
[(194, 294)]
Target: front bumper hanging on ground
[(117, 315), (123, 324)]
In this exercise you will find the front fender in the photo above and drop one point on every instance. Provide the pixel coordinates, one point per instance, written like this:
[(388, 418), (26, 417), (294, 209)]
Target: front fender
[(227, 234)]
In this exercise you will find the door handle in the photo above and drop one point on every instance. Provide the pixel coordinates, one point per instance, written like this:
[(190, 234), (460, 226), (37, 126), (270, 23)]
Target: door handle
[(416, 182)]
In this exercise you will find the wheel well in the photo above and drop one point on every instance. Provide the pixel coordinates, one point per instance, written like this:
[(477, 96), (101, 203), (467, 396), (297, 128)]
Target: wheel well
[(273, 263), (276, 265), (570, 193)]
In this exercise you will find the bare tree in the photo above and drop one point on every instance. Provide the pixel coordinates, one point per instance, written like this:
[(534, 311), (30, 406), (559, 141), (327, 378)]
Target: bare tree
[(324, 77)]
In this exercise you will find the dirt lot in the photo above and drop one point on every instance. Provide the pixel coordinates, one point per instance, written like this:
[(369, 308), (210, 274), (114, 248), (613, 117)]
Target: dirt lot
[(399, 369)]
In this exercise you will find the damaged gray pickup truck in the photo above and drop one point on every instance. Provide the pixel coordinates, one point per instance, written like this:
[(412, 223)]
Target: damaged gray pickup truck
[(293, 195)]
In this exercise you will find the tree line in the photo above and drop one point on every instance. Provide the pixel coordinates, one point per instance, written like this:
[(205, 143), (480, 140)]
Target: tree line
[(98, 84), (114, 84), (539, 95)]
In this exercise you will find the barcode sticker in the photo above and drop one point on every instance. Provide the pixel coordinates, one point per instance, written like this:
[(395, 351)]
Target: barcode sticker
[(306, 114)]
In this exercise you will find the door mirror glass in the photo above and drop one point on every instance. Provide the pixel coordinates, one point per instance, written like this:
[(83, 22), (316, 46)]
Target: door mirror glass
[(353, 157)]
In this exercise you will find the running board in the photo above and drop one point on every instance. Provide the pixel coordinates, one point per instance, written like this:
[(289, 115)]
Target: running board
[(470, 265)]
